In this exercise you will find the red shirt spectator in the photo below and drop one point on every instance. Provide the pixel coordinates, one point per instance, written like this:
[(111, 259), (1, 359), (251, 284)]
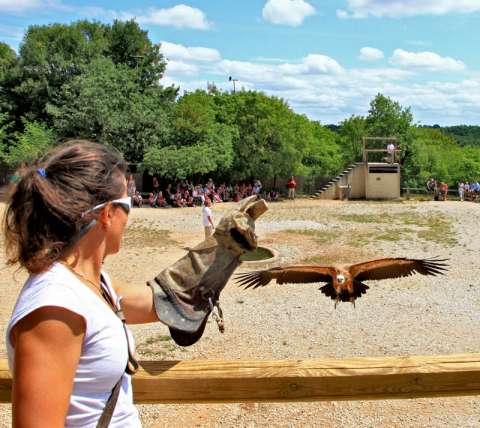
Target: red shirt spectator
[(291, 185)]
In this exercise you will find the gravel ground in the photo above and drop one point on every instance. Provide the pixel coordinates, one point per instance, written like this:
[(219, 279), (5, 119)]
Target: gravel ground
[(409, 316)]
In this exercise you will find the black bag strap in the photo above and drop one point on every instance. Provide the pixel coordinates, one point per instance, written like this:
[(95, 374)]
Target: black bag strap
[(107, 413), (132, 364)]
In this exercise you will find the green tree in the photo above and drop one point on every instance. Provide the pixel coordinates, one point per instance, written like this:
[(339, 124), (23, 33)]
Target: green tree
[(53, 55), (352, 131), (8, 62), (387, 118), (27, 146), (437, 155), (265, 141), (322, 155), (197, 144), (130, 45), (106, 104)]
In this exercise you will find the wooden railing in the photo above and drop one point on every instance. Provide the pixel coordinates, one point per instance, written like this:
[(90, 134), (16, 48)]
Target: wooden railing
[(324, 379)]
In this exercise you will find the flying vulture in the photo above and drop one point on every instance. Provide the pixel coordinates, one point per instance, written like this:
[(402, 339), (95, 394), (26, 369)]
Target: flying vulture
[(344, 283)]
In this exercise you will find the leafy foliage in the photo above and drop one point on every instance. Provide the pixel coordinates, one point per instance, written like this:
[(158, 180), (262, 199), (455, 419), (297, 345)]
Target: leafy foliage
[(197, 145), (352, 131), (464, 135), (105, 104), (437, 155), (101, 81), (27, 146)]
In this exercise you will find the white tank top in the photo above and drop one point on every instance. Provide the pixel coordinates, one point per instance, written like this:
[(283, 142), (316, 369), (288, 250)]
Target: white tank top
[(104, 351)]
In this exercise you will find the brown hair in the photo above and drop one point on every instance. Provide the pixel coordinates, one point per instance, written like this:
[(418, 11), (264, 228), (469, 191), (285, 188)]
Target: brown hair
[(46, 206)]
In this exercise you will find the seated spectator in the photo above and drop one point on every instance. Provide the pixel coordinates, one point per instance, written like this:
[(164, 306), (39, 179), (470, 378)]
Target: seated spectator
[(155, 185), (169, 195), (160, 200), (210, 184), (197, 195), (215, 196), (137, 199), (272, 196), (151, 200), (229, 192), (178, 200), (188, 199), (221, 191)]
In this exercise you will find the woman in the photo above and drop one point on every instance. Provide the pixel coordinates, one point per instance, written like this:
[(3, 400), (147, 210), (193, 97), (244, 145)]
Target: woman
[(67, 349)]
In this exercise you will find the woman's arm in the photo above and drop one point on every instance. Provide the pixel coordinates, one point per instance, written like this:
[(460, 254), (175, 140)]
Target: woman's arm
[(47, 344), (137, 302)]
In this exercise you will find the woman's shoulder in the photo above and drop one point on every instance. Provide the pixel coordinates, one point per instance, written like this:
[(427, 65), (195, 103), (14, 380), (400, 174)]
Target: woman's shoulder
[(54, 287)]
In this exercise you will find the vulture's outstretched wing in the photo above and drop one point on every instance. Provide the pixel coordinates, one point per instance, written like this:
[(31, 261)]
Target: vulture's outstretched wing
[(289, 274), (397, 267)]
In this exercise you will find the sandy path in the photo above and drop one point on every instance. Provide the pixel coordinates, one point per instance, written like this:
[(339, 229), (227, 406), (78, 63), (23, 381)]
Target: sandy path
[(408, 316)]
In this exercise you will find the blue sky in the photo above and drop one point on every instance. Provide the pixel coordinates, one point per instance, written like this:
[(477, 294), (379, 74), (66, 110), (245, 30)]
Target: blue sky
[(327, 58)]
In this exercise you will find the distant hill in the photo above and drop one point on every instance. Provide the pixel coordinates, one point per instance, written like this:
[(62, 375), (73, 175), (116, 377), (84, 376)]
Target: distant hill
[(464, 135), (332, 127)]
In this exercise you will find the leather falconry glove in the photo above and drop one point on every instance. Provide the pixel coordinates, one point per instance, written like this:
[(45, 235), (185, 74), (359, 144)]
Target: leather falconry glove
[(185, 293)]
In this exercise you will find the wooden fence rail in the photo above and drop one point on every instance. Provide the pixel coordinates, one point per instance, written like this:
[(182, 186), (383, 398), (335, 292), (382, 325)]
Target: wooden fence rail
[(325, 379)]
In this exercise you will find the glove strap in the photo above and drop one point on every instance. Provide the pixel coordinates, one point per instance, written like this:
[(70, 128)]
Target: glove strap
[(217, 314)]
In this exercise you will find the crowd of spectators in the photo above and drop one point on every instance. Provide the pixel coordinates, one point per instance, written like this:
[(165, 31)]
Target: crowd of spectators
[(185, 194), (469, 191), (439, 189)]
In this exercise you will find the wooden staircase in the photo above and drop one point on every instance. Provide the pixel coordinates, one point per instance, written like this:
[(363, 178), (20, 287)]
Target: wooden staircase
[(327, 188)]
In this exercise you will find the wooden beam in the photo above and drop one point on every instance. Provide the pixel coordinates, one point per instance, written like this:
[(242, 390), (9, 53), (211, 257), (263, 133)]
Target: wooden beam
[(200, 381)]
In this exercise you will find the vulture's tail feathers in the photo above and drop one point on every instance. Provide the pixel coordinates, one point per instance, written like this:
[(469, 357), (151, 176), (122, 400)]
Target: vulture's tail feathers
[(358, 289), (329, 291)]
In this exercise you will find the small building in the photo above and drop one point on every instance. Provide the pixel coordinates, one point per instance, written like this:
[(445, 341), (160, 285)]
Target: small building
[(376, 177)]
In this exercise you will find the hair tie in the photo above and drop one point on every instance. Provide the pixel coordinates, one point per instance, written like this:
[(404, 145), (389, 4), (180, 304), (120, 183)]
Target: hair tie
[(42, 172)]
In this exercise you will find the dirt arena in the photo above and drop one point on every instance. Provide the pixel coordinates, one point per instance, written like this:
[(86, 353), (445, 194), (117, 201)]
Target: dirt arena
[(410, 316)]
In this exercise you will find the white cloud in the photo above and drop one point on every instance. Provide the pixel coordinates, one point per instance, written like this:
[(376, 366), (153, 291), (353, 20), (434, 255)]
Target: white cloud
[(319, 87), (400, 8), (21, 6), (425, 60), (247, 71), (370, 54), (175, 51), (313, 64), (287, 12), (179, 16), (179, 67)]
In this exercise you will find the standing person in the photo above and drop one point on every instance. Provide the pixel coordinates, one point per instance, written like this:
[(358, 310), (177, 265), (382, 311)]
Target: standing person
[(430, 185), (443, 189), (155, 185), (291, 186), (207, 218), (67, 349), (257, 187), (131, 188), (391, 151), (461, 190)]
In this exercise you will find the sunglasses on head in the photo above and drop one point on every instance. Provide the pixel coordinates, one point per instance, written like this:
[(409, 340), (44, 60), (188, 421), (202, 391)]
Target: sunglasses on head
[(124, 203)]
